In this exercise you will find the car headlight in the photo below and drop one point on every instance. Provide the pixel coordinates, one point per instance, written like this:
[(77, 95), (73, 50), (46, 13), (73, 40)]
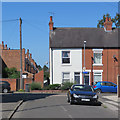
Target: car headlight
[(95, 96), (74, 95)]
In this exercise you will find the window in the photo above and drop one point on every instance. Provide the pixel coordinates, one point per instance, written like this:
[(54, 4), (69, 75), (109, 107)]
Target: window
[(66, 77), (97, 77), (65, 57), (97, 56)]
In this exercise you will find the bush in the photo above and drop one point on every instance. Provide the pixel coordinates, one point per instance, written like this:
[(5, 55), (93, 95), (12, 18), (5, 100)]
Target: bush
[(53, 87), (21, 90), (66, 85), (35, 86)]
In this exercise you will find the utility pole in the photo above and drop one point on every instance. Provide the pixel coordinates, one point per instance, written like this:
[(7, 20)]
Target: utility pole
[(21, 80)]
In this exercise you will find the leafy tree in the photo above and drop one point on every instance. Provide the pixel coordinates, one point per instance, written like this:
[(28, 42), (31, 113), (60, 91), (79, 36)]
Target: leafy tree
[(39, 67), (11, 73), (46, 72), (115, 20)]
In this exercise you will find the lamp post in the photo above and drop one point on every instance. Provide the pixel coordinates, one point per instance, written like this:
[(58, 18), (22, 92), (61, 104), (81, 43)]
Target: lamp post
[(84, 61)]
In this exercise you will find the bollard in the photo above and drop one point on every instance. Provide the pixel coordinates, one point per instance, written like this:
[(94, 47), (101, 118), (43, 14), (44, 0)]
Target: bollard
[(118, 85)]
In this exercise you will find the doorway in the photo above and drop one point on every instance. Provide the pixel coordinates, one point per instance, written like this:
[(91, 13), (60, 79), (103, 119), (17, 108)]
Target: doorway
[(86, 79)]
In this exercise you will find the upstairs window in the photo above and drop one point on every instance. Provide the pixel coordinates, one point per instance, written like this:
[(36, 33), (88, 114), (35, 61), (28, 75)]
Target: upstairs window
[(65, 57), (97, 56)]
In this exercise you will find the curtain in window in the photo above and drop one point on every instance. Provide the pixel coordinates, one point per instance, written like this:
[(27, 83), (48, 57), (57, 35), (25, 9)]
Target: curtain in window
[(97, 58)]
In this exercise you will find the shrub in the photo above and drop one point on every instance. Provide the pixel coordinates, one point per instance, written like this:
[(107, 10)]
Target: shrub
[(35, 86), (66, 85), (53, 87), (21, 90)]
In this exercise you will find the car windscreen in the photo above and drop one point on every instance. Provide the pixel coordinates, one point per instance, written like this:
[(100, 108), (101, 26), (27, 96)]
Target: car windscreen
[(82, 88)]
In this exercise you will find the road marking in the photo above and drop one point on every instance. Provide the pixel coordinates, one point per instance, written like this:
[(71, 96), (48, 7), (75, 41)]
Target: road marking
[(63, 108)]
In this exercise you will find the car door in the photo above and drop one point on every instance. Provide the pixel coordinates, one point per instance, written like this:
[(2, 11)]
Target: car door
[(112, 87), (104, 87)]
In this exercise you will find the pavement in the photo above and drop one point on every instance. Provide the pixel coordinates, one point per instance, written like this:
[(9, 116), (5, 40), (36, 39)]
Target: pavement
[(12, 101)]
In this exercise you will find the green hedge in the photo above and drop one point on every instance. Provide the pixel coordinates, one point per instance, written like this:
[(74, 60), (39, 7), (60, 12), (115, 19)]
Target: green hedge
[(35, 86), (66, 85)]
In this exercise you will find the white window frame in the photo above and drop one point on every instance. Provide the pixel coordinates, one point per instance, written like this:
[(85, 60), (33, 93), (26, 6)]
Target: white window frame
[(98, 51), (67, 57), (66, 78), (97, 73)]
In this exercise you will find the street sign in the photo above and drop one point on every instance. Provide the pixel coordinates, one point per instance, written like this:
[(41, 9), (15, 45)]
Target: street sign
[(85, 72)]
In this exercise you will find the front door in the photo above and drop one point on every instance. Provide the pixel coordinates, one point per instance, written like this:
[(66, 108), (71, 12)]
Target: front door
[(77, 77), (86, 79)]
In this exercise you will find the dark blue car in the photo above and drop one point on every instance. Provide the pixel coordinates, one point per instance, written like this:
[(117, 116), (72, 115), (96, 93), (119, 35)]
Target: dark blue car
[(81, 93), (105, 86)]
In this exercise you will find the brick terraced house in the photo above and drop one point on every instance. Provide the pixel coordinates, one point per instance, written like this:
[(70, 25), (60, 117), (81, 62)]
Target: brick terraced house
[(66, 51), (11, 58)]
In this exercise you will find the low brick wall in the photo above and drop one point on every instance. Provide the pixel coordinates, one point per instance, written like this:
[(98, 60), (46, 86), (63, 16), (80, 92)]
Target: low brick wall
[(49, 91), (12, 83)]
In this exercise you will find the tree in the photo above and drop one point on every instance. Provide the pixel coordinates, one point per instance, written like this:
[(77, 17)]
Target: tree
[(39, 67), (46, 72), (10, 73), (115, 20)]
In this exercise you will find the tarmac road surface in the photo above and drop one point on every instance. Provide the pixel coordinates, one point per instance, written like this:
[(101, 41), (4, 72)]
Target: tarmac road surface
[(56, 106)]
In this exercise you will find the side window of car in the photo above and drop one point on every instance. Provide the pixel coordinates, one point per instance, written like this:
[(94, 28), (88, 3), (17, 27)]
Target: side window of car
[(103, 84), (109, 84)]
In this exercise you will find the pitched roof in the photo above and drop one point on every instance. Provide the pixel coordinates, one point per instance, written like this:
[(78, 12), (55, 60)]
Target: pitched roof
[(75, 37)]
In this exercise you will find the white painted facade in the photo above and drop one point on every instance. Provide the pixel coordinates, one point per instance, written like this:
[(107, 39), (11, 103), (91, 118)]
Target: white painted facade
[(57, 68)]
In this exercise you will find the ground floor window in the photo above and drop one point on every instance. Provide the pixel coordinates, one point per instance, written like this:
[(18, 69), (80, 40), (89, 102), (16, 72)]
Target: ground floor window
[(77, 77), (65, 77), (97, 77)]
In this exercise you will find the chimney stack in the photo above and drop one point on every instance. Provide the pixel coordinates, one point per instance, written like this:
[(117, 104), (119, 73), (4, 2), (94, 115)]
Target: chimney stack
[(51, 24), (28, 53), (108, 24), (5, 46), (2, 45)]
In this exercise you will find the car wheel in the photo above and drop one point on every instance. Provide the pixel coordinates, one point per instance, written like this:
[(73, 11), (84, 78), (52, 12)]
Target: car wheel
[(98, 91), (68, 98), (71, 102), (5, 90)]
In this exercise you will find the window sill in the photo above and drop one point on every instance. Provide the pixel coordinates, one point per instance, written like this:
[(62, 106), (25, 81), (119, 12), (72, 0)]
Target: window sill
[(97, 64), (66, 64)]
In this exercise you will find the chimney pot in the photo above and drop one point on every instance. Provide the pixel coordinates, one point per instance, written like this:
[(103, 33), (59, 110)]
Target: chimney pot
[(5, 46), (108, 24), (51, 24)]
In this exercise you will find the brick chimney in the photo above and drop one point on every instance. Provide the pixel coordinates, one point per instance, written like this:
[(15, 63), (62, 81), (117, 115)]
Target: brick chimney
[(2, 45), (30, 56), (28, 53), (5, 47), (51, 24), (108, 24)]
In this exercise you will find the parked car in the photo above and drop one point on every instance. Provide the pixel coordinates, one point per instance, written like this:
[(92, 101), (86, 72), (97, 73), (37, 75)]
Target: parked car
[(105, 86), (81, 93), (4, 86)]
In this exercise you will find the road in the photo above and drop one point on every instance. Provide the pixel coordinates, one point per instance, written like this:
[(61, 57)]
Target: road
[(56, 106)]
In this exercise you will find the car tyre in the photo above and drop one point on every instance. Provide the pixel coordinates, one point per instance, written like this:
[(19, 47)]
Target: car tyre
[(71, 102), (68, 98), (98, 91), (5, 90)]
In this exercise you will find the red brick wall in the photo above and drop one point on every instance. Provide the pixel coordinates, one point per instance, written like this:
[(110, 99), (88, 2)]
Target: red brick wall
[(39, 77), (12, 83), (110, 68), (27, 81)]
